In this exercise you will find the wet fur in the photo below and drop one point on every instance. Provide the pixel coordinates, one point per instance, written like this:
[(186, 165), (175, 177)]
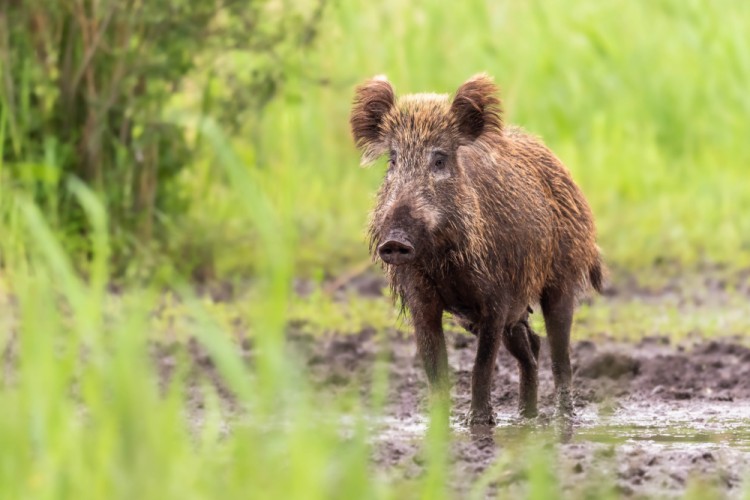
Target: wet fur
[(506, 229)]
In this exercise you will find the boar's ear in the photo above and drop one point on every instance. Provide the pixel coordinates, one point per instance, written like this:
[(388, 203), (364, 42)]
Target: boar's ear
[(476, 107), (372, 101)]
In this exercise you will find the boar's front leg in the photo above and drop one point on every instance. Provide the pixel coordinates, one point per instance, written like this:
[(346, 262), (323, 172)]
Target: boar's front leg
[(481, 379), (427, 316)]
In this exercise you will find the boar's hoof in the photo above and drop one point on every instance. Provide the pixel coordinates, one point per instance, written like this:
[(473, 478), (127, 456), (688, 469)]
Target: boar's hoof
[(527, 412), (564, 405), (480, 418)]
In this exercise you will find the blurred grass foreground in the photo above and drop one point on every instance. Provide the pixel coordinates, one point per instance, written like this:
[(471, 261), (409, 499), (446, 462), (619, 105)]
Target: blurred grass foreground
[(147, 147)]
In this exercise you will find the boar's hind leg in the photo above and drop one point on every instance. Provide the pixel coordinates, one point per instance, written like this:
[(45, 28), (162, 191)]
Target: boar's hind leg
[(428, 329), (523, 344), (557, 307)]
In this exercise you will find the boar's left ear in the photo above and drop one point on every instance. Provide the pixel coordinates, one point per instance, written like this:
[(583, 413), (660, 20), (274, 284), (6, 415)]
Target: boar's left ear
[(476, 107), (372, 101)]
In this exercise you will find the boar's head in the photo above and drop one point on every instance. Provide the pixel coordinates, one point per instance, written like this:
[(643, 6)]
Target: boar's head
[(426, 205)]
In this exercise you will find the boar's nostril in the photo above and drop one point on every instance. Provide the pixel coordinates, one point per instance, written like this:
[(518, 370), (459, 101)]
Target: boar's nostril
[(396, 252)]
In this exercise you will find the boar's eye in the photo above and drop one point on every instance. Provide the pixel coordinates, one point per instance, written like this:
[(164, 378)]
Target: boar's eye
[(439, 162), (392, 160)]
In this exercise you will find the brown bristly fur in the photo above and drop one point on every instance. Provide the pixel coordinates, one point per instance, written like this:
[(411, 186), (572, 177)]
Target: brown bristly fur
[(495, 219)]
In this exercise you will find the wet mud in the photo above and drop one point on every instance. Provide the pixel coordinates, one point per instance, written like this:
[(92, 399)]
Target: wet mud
[(652, 417)]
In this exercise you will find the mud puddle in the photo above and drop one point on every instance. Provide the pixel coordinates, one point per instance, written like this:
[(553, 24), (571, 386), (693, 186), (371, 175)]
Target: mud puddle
[(673, 423), (652, 418), (676, 424), (641, 450)]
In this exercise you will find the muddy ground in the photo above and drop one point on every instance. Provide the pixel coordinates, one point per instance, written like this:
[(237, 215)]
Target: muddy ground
[(653, 417)]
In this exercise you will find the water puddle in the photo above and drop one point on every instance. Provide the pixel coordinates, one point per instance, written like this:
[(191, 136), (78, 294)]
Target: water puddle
[(711, 423), (643, 447), (722, 423)]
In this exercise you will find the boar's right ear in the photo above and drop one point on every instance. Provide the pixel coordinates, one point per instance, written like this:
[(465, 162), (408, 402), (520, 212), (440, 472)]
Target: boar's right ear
[(476, 107), (372, 101)]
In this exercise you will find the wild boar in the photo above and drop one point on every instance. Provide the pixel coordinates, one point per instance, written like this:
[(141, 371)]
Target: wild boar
[(481, 220)]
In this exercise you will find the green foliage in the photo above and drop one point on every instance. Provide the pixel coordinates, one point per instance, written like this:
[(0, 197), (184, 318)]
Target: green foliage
[(644, 101), (85, 85), (651, 125)]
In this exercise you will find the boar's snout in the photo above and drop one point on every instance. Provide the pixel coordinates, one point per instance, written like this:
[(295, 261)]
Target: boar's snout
[(396, 249)]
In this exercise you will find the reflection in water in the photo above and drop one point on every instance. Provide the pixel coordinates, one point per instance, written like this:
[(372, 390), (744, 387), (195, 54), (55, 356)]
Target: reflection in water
[(646, 447), (482, 433), (564, 429), (673, 423)]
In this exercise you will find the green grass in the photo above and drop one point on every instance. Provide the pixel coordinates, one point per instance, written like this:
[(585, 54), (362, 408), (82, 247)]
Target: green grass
[(644, 101)]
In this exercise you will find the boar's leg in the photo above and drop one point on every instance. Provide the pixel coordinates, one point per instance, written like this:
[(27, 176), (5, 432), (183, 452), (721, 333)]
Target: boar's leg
[(557, 307), (523, 344), (481, 379), (427, 316), (535, 342)]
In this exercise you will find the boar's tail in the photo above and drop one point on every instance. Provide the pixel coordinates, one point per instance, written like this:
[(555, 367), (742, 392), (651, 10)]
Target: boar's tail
[(597, 274)]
